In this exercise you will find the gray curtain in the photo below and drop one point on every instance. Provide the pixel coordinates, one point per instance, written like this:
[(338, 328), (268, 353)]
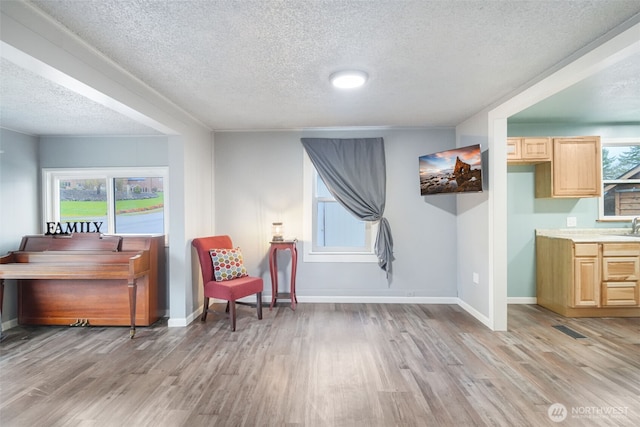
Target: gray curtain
[(354, 171)]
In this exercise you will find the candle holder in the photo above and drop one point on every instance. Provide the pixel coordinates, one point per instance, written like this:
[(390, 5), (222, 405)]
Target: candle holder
[(277, 232)]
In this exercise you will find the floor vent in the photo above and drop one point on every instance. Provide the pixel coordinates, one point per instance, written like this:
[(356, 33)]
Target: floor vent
[(569, 331)]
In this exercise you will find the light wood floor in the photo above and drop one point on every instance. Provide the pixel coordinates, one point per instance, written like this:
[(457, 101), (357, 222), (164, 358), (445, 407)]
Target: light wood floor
[(326, 365)]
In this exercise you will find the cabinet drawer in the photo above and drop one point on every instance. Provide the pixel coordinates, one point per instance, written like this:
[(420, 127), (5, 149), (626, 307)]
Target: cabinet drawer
[(585, 249), (621, 249), (620, 268), (617, 294)]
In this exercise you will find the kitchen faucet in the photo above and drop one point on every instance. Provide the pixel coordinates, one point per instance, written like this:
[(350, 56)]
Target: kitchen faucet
[(635, 225)]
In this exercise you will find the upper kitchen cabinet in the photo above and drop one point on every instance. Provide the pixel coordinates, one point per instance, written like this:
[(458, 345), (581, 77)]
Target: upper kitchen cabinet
[(574, 170), (529, 150)]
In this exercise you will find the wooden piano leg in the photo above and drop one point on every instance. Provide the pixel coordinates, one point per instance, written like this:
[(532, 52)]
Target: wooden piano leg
[(132, 307)]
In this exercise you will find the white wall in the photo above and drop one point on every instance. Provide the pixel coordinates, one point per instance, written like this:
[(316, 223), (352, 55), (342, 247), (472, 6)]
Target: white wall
[(474, 224), (19, 203), (193, 159), (259, 180)]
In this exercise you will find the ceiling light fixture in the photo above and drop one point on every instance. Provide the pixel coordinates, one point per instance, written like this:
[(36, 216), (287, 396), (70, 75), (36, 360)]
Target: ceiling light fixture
[(348, 79)]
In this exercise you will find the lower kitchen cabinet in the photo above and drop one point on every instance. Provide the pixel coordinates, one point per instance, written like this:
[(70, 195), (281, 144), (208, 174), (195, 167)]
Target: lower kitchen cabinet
[(588, 279)]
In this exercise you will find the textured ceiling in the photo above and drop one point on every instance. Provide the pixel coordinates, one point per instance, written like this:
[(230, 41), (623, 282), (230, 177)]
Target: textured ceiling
[(611, 96), (265, 64), (35, 105)]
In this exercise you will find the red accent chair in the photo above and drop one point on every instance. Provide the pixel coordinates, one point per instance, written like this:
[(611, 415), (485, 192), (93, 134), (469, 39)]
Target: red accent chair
[(229, 290)]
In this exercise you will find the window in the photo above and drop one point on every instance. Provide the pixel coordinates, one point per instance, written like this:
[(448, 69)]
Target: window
[(331, 234), (124, 200), (620, 178)]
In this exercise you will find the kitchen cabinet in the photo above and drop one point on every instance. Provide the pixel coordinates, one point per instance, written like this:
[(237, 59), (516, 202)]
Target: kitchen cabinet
[(588, 277), (586, 270), (620, 274), (574, 170), (528, 150)]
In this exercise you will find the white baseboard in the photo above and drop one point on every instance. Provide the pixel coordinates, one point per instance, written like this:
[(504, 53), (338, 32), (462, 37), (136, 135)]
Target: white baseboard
[(11, 323), (177, 322), (376, 300), (181, 322), (475, 313)]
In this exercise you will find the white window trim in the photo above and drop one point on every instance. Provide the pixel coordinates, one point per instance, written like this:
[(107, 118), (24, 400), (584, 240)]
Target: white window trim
[(309, 255), (51, 178), (609, 142)]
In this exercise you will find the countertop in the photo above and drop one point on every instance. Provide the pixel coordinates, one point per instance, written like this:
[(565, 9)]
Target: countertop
[(591, 235)]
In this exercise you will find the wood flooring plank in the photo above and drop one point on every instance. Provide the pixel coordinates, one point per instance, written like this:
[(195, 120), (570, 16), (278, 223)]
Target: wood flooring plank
[(322, 365)]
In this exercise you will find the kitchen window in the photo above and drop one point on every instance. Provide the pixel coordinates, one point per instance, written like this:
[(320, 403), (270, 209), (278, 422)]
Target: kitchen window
[(620, 179)]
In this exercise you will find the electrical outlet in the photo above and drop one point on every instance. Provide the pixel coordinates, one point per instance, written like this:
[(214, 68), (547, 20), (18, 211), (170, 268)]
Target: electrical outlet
[(476, 278), (572, 221)]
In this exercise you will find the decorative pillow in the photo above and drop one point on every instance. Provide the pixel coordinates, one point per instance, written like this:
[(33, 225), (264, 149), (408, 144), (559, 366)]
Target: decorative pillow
[(227, 264)]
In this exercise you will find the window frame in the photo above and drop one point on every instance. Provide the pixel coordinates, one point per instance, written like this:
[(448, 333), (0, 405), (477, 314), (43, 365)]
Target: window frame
[(331, 254), (51, 178), (608, 142)]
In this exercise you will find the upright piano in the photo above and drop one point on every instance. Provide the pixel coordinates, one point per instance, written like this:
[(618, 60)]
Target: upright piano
[(86, 279)]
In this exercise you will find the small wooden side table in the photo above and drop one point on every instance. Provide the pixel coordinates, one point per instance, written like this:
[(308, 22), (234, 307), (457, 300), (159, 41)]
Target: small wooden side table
[(273, 268)]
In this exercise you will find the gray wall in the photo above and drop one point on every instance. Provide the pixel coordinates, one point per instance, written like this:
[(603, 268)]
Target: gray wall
[(475, 249), (103, 151), (258, 179), (526, 213), (19, 202)]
